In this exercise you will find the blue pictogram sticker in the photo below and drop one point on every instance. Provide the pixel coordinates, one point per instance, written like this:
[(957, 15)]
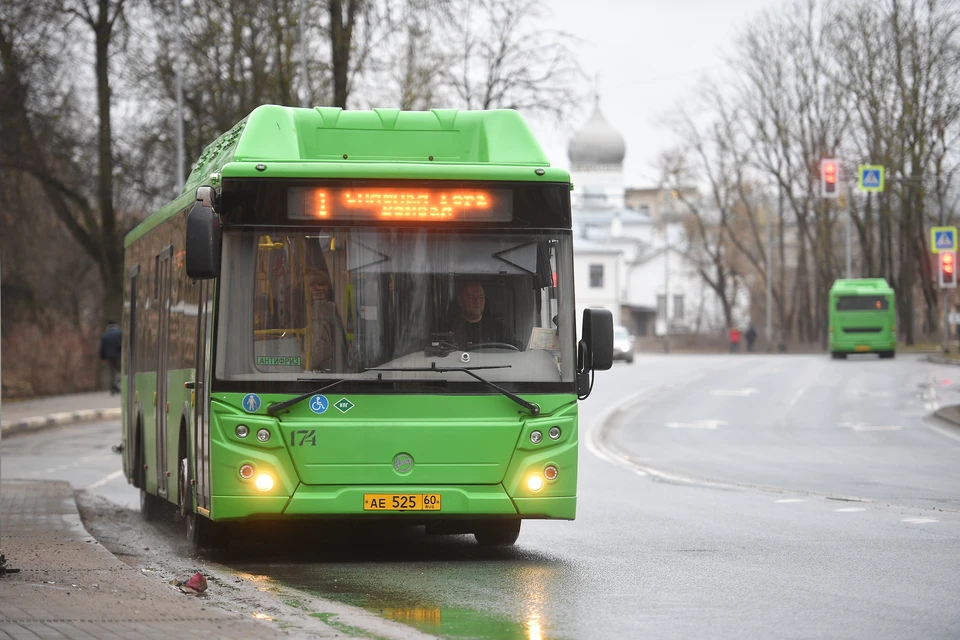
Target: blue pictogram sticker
[(871, 178), (319, 404), (251, 403)]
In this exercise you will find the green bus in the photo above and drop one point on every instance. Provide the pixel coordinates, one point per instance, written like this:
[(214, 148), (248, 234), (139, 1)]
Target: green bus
[(360, 314), (863, 318)]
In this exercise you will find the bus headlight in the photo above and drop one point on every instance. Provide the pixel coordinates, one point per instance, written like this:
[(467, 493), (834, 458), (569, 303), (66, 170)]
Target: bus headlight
[(242, 431), (263, 435), (534, 483), (536, 437), (264, 482)]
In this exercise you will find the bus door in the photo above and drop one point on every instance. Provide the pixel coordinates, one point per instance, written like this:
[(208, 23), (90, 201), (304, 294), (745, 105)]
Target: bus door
[(201, 431), (131, 449), (163, 349)]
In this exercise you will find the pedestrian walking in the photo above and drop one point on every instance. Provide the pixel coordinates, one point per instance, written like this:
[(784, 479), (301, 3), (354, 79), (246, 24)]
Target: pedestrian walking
[(110, 348), (751, 336), (734, 339)]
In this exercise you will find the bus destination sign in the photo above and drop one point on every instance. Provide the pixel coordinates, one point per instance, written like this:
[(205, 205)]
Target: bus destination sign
[(399, 204)]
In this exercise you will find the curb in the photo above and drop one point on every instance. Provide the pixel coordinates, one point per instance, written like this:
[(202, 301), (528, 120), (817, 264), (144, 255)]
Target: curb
[(949, 414), (942, 360), (57, 420)]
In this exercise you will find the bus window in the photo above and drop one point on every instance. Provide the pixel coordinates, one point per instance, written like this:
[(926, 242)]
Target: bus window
[(862, 303)]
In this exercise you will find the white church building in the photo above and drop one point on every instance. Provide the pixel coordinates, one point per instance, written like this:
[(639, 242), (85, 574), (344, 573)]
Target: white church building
[(631, 253)]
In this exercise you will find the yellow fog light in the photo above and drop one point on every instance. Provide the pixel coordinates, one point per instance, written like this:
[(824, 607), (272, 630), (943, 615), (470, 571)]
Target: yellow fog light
[(264, 482), (534, 483)]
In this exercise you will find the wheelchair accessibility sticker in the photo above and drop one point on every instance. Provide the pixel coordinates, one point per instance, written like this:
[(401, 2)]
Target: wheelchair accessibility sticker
[(251, 403), (319, 404)]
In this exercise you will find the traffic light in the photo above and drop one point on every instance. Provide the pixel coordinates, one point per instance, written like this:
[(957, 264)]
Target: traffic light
[(948, 269), (828, 178)]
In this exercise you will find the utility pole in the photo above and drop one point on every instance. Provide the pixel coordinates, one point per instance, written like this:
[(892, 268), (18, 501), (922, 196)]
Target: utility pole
[(769, 328), (849, 216), (666, 287), (179, 89), (305, 85)]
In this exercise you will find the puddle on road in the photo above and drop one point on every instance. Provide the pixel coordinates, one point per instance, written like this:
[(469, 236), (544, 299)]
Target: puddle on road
[(435, 619)]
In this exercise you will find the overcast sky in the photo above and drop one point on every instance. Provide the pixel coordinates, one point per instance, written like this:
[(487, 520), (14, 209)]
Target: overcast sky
[(649, 55)]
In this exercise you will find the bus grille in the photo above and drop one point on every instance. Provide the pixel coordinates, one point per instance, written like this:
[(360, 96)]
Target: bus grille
[(863, 330)]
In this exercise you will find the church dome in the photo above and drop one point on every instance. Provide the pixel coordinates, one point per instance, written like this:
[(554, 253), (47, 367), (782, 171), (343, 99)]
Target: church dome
[(597, 143)]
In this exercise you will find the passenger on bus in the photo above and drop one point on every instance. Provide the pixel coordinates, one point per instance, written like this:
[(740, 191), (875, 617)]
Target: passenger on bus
[(327, 337), (471, 327)]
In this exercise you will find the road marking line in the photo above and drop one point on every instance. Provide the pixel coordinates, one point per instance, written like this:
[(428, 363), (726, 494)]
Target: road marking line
[(699, 424), (110, 478), (743, 393), (919, 520), (857, 426), (789, 500), (849, 510)]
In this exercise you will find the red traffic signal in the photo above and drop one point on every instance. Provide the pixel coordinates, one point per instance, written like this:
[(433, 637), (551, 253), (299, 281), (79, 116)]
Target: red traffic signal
[(948, 269), (828, 178)]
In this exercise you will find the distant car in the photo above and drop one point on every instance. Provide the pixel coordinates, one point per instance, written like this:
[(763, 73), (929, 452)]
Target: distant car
[(622, 344)]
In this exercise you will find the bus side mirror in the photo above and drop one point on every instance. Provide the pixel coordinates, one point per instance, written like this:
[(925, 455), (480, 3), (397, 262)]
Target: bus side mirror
[(595, 351), (597, 340), (203, 243)]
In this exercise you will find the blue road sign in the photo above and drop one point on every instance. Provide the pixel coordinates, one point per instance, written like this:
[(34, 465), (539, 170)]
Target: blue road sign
[(251, 403), (943, 239), (319, 404), (871, 177)]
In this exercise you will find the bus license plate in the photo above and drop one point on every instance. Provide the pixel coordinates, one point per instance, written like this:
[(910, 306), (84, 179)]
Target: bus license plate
[(862, 347), (401, 502)]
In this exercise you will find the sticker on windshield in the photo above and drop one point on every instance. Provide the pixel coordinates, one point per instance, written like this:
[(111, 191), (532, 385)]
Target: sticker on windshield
[(251, 403), (344, 405), (278, 361), (319, 404)]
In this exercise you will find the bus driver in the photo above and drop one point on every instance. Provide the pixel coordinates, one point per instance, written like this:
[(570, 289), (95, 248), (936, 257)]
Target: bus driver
[(471, 327), (327, 338)]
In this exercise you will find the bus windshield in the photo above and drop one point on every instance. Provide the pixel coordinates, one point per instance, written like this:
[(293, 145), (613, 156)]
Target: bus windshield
[(367, 303)]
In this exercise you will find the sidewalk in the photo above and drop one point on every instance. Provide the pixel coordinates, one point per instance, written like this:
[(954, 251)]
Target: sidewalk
[(17, 416), (71, 587)]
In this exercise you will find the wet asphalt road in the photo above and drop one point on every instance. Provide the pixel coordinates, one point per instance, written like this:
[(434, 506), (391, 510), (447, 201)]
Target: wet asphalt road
[(720, 496)]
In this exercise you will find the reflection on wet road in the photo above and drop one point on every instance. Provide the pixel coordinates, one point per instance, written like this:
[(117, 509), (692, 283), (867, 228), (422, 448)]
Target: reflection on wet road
[(771, 552)]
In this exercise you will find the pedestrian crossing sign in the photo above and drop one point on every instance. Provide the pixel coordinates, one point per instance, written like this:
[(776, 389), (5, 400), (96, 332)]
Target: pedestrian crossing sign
[(870, 177), (943, 239)]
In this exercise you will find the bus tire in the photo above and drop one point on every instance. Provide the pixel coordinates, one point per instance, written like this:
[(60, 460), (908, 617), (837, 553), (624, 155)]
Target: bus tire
[(498, 533), (201, 531), (838, 355), (888, 355), (150, 505)]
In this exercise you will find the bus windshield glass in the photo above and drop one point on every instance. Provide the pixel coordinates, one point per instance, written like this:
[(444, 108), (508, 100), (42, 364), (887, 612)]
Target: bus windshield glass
[(862, 303), (362, 303)]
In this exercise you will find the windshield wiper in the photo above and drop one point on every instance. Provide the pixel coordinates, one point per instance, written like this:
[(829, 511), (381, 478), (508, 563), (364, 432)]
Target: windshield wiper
[(433, 368), (277, 407)]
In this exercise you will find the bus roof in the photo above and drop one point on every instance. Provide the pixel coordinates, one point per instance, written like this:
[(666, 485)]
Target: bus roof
[(328, 142), (860, 286)]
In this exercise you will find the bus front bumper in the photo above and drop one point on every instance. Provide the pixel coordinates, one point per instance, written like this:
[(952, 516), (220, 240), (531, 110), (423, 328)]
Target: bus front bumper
[(456, 502)]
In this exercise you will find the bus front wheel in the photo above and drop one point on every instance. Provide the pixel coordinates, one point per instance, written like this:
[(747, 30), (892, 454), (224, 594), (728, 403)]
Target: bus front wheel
[(887, 354), (201, 531), (838, 355), (150, 504), (498, 533)]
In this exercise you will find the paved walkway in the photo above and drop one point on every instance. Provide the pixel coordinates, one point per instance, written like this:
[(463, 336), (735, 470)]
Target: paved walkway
[(17, 416), (71, 587)]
